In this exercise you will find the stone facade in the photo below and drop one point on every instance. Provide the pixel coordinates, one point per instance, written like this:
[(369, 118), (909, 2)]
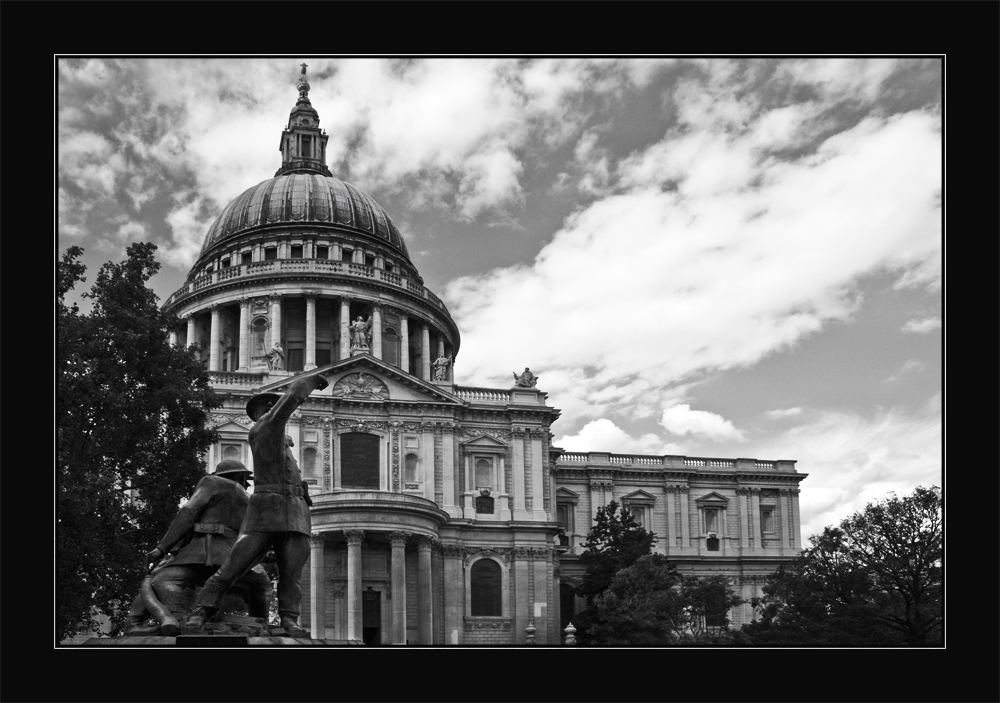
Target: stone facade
[(442, 514)]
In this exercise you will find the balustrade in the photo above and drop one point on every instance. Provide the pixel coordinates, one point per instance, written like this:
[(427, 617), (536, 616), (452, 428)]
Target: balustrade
[(480, 395)]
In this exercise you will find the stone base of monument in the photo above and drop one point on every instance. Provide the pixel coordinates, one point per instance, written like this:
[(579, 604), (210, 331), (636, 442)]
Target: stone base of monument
[(224, 630)]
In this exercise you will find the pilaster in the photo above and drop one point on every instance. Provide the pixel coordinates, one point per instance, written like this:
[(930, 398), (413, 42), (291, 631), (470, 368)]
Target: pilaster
[(310, 362), (354, 539), (517, 450), (317, 606), (398, 542), (244, 334), (213, 350)]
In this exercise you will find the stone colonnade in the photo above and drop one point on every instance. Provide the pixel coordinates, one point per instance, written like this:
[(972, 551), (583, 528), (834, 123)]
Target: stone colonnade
[(431, 345), (352, 628)]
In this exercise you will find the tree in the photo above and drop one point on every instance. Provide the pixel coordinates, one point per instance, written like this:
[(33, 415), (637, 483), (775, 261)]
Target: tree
[(649, 603), (130, 419), (615, 542), (874, 580)]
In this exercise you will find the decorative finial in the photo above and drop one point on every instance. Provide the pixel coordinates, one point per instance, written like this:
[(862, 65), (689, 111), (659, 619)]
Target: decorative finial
[(303, 84)]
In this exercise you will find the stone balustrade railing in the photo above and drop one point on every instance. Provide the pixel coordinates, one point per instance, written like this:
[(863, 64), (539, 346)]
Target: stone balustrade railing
[(672, 462), (323, 266), (483, 395), (236, 378)]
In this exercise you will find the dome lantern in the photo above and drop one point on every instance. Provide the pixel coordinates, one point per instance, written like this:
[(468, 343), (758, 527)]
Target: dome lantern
[(303, 144)]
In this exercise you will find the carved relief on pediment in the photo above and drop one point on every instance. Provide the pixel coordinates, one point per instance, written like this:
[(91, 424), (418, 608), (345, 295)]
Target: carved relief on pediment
[(361, 386)]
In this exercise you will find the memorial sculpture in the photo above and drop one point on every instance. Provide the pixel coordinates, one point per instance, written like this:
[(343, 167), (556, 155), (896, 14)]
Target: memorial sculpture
[(526, 379), (440, 367), (195, 545), (277, 515), (360, 332), (276, 358)]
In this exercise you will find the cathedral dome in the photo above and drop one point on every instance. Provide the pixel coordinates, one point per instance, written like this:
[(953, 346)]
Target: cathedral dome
[(305, 198)]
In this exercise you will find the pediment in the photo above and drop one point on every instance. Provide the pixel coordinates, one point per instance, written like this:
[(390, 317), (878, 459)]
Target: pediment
[(639, 496), (363, 378), (712, 497), (484, 442), (230, 426), (563, 492)]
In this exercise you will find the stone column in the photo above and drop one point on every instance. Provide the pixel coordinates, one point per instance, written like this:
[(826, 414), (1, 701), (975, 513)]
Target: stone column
[(192, 334), (522, 603), (404, 333), (440, 341), (786, 519), (377, 330), (743, 495), (244, 334), (468, 497), (310, 333), (317, 606), (425, 353), (427, 458), (796, 524), (213, 346), (537, 476), (685, 518), (173, 337), (517, 449), (354, 538), (398, 541), (540, 563), (345, 332), (669, 492), (275, 299), (425, 604), (504, 499), (454, 594), (448, 468), (757, 532), (335, 251)]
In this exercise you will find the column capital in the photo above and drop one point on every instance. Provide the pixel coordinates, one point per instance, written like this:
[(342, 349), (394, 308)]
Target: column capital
[(274, 297), (449, 427), (454, 551), (310, 295), (346, 298), (536, 432), (317, 539), (522, 553), (398, 539), (426, 542), (683, 489), (742, 490), (354, 537), (376, 305), (245, 302), (214, 307), (403, 315), (784, 490), (517, 431), (755, 490)]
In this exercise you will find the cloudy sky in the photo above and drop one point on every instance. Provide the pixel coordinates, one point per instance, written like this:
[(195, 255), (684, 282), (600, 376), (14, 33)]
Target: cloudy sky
[(710, 257)]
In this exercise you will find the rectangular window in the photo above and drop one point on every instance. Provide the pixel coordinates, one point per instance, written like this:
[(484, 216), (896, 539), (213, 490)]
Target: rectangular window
[(346, 255), (225, 263), (484, 473), (296, 251), (246, 257), (295, 359), (306, 147), (322, 357), (322, 252), (638, 514), (369, 260), (271, 254)]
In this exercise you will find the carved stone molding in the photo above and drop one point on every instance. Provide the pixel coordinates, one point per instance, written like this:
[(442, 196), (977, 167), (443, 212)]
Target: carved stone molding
[(274, 297), (540, 553), (317, 539), (518, 432), (361, 385), (426, 542), (501, 552), (454, 551), (397, 538), (361, 425), (755, 489), (395, 456), (245, 302), (354, 536), (536, 432), (502, 435), (742, 491), (338, 594), (684, 489), (223, 418)]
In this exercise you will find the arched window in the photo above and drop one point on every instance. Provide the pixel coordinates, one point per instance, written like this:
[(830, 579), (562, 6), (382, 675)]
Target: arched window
[(486, 579), (231, 452), (484, 505), (309, 461), (484, 473), (712, 543), (410, 468)]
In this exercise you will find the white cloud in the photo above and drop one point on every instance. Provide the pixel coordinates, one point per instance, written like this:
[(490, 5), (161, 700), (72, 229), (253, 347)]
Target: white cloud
[(910, 365), (188, 225), (131, 232), (923, 325), (787, 412), (747, 256), (605, 435), (680, 419)]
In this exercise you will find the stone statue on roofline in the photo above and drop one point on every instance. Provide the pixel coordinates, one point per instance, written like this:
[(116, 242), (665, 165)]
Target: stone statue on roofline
[(526, 379), (440, 367)]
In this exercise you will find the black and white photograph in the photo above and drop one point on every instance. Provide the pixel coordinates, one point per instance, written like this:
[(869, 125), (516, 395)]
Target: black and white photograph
[(499, 352)]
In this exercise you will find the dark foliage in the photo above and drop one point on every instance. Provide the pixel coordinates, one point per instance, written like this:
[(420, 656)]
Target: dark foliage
[(130, 426), (873, 581)]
